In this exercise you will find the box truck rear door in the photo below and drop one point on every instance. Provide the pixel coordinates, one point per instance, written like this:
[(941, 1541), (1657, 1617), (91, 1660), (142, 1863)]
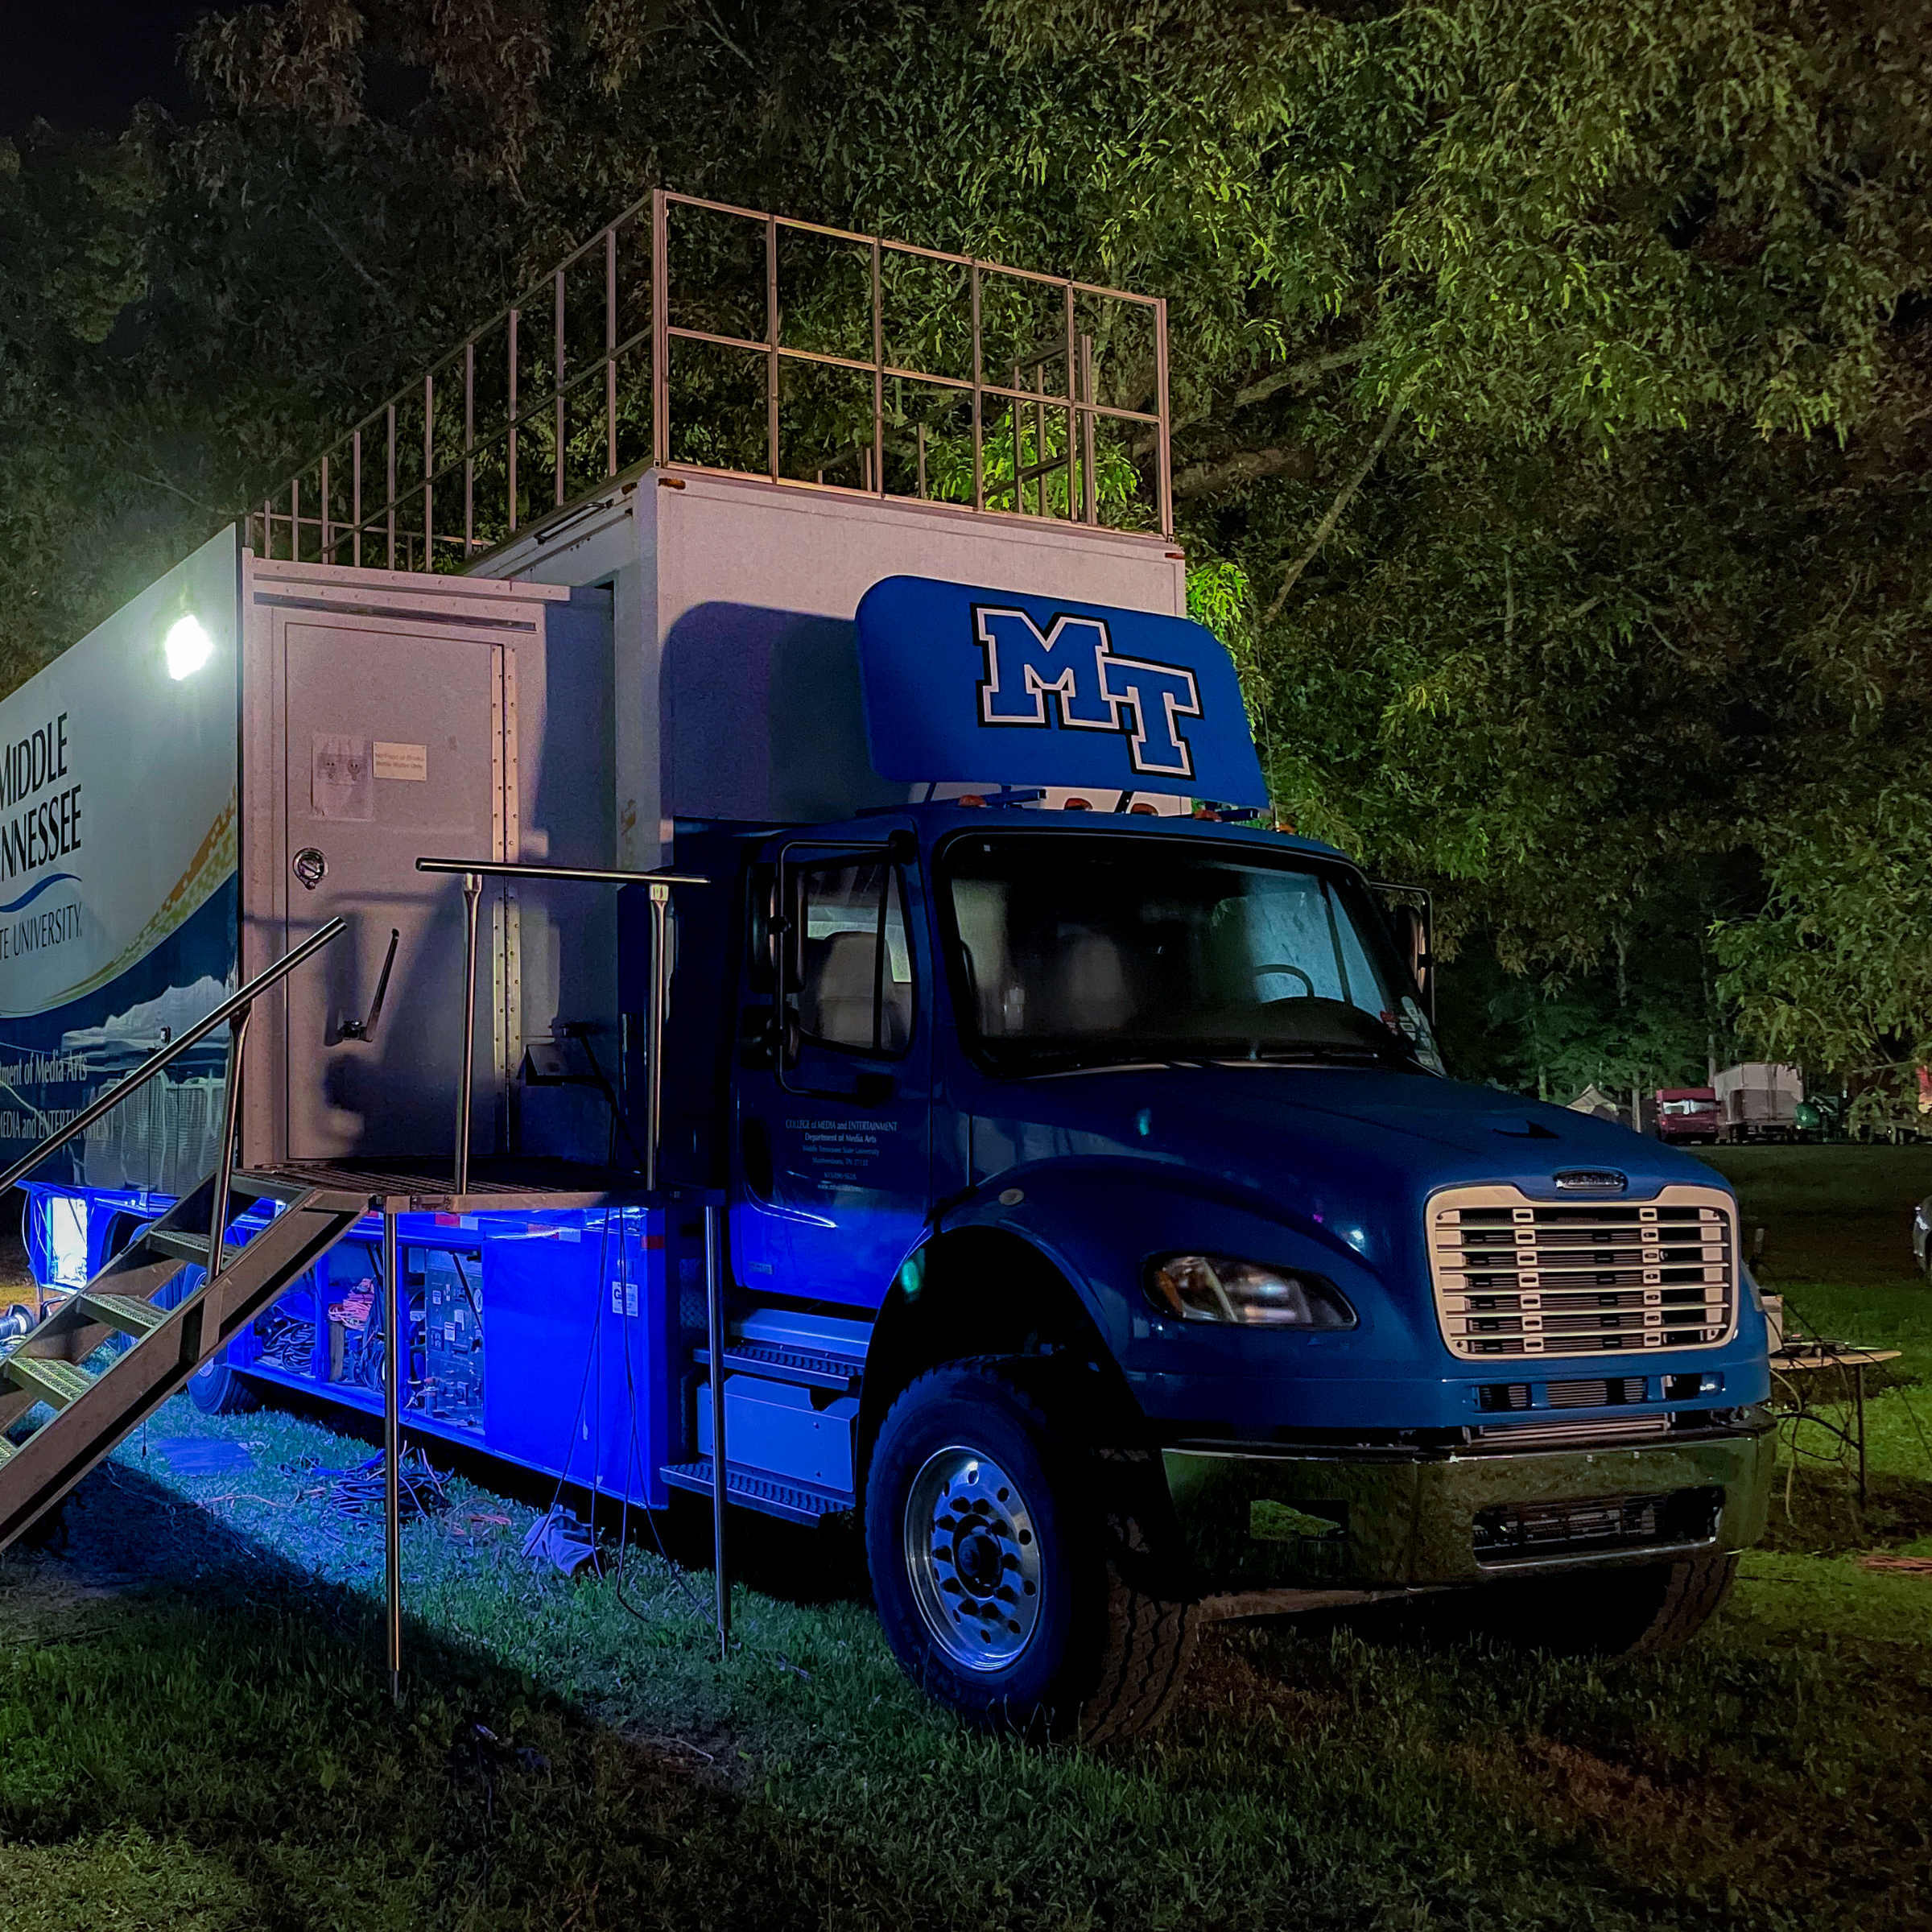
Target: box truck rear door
[(394, 745)]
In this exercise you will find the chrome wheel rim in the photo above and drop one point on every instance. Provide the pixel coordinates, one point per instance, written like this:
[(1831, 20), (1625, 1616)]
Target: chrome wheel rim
[(973, 1557)]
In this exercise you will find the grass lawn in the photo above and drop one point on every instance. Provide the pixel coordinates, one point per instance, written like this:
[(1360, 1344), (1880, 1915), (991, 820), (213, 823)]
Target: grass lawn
[(194, 1731)]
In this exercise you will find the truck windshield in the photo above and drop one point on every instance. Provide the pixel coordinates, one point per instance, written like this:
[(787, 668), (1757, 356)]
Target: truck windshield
[(1085, 950)]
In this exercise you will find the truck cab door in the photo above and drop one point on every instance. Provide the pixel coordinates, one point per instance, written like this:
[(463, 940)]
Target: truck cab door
[(831, 1181)]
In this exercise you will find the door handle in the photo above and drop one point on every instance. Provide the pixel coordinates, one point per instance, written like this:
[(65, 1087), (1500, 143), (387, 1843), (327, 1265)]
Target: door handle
[(361, 1029), (310, 867)]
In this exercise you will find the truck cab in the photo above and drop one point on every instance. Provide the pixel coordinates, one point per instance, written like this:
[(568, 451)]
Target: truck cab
[(1108, 1162)]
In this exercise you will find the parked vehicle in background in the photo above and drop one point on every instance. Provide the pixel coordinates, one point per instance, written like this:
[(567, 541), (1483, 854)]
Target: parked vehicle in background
[(1688, 1114), (1821, 1117), (1921, 1236), (1758, 1100)]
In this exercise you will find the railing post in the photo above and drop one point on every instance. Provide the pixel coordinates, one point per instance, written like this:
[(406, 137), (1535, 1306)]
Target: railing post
[(395, 1312), (225, 1157), (714, 1336), (660, 328), (473, 894), (1164, 462), (654, 1029)]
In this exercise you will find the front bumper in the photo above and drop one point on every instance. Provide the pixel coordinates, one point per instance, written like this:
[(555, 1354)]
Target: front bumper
[(1258, 1516)]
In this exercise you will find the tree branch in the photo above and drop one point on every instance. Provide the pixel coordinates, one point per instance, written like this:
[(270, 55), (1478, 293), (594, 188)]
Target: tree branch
[(1298, 375), (1326, 528), (377, 288), (1245, 466)]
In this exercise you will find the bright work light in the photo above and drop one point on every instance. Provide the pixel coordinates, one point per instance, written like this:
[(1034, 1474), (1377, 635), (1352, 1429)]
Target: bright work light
[(188, 647)]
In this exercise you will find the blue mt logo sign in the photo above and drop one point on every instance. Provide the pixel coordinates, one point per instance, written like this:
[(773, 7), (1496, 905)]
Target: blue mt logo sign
[(968, 685), (1074, 666)]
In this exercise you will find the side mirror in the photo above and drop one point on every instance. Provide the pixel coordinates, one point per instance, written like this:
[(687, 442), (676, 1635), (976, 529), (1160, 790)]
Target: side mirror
[(1411, 924), (1412, 929)]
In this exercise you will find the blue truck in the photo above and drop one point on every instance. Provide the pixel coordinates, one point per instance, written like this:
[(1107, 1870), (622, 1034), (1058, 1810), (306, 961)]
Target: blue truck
[(899, 1072)]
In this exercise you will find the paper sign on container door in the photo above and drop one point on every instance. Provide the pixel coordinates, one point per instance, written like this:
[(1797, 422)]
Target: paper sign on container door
[(409, 762), (340, 782)]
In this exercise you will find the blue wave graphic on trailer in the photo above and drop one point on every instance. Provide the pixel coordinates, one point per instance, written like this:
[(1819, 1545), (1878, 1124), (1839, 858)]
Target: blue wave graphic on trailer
[(34, 891)]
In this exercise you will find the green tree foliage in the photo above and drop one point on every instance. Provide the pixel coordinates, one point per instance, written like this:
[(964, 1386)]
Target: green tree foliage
[(1553, 378)]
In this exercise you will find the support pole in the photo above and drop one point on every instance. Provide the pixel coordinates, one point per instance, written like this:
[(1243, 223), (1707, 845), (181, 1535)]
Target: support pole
[(395, 1313), (654, 1029), (473, 894), (714, 1330), (224, 1156)]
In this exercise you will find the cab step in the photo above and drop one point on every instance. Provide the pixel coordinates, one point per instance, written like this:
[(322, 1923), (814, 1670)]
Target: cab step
[(755, 1489), (809, 1367)]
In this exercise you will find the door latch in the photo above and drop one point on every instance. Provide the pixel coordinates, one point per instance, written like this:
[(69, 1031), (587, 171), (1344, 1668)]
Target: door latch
[(310, 867), (361, 1029)]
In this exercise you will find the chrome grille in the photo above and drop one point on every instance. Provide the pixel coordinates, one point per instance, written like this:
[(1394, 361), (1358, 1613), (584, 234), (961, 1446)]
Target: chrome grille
[(1515, 1277), (1600, 1431)]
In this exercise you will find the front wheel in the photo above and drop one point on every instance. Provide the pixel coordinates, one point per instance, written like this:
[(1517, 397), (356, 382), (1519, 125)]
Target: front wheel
[(999, 1564)]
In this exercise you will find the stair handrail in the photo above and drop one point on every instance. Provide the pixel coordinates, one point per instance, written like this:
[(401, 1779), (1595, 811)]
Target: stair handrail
[(235, 1007), (472, 873)]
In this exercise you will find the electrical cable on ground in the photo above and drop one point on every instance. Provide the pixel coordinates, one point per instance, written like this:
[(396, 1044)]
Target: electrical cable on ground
[(356, 1494)]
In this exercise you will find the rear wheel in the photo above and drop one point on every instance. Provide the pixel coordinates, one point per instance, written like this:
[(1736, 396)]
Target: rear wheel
[(1616, 1613), (1012, 1586), (216, 1388)]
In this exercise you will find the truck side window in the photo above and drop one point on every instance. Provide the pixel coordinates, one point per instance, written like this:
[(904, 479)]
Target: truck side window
[(851, 965)]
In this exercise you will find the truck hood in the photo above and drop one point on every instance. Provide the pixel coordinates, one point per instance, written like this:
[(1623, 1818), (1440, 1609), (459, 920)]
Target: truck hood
[(1350, 1152)]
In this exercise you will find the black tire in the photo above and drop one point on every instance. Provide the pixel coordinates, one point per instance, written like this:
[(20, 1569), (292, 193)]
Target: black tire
[(1615, 1612), (1097, 1650), (216, 1388)]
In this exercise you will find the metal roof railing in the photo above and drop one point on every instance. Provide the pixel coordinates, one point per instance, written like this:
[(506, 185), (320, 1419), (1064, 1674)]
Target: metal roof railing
[(809, 356)]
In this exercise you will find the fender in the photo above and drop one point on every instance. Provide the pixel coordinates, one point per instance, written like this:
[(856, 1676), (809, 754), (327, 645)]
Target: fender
[(1098, 1221)]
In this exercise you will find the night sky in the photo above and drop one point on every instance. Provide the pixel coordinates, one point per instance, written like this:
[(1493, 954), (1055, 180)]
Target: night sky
[(85, 63)]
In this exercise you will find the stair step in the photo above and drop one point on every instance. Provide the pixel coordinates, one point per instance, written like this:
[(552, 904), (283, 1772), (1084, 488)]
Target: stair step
[(755, 1489), (57, 1382), (126, 1312), (244, 1186), (807, 1366), (186, 1245)]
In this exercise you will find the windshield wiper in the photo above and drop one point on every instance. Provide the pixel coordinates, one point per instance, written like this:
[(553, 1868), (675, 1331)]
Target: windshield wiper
[(1325, 1053), (1040, 1066)]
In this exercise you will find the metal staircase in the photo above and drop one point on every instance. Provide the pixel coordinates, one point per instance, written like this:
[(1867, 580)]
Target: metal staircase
[(91, 1411), (92, 1403)]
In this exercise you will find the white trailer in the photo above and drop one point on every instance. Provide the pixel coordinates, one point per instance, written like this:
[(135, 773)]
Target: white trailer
[(1758, 1100)]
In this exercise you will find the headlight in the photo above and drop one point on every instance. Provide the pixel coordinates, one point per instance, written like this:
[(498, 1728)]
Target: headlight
[(1217, 1288)]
